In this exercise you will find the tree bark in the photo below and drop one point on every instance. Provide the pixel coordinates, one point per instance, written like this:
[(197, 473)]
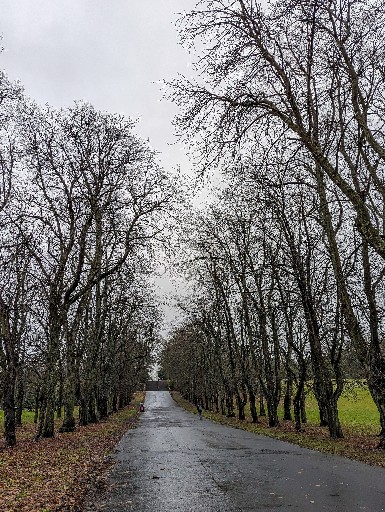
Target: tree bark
[(253, 407), (9, 407), (19, 396), (288, 398), (9, 363)]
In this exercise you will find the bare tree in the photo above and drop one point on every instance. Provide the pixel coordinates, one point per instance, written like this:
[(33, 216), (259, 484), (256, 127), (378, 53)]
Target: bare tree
[(97, 192), (306, 78), (304, 66), (14, 260)]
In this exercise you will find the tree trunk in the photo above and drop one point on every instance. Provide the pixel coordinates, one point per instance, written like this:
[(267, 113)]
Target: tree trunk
[(70, 383), (303, 408), (9, 361), (83, 412), (114, 404), (91, 406), (37, 405), (297, 411), (253, 407), (272, 412), (334, 425), (46, 424), (46, 427), (322, 379), (69, 424), (19, 397), (102, 406), (216, 403), (288, 399), (9, 406), (87, 410), (223, 406), (269, 382), (229, 405), (241, 407), (299, 397), (60, 397), (323, 417), (262, 410)]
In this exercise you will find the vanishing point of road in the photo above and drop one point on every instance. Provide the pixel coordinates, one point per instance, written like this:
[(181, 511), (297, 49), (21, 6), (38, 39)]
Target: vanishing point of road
[(173, 462)]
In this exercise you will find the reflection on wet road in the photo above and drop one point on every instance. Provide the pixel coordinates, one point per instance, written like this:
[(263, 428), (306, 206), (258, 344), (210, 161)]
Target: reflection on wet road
[(175, 463)]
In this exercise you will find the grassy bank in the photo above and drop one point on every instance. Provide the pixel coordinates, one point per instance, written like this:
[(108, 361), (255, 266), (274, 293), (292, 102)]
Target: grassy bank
[(53, 475), (359, 419)]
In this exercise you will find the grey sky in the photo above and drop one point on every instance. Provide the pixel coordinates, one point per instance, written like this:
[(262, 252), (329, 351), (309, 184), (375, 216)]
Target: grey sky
[(108, 52)]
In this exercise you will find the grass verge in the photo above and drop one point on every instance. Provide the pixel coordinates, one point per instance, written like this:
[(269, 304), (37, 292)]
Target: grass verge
[(54, 475), (359, 443)]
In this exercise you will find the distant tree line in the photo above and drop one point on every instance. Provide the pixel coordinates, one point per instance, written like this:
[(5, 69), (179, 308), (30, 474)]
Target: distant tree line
[(82, 203), (287, 264)]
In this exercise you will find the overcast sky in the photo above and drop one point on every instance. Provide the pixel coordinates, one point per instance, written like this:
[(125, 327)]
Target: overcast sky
[(108, 52)]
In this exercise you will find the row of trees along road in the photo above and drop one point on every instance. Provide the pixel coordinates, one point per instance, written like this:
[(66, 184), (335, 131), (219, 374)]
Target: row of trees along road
[(82, 203), (287, 264)]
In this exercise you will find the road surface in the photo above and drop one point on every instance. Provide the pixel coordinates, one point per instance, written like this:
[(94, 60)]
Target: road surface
[(173, 462)]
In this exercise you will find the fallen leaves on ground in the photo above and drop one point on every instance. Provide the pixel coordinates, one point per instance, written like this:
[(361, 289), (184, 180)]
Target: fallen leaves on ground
[(358, 443), (53, 475)]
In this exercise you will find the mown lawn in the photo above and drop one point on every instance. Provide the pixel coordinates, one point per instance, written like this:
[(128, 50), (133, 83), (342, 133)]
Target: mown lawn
[(358, 415), (53, 475)]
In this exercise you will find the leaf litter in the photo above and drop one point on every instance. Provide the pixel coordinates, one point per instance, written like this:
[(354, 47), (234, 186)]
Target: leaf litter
[(54, 475)]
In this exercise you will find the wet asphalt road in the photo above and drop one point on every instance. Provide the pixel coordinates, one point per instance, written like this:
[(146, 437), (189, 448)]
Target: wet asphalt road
[(173, 462)]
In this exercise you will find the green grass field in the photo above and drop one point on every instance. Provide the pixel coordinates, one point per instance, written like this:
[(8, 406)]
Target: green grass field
[(356, 409), (27, 417)]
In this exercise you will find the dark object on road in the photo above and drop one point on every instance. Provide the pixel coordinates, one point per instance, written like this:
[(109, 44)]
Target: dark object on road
[(141, 407)]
